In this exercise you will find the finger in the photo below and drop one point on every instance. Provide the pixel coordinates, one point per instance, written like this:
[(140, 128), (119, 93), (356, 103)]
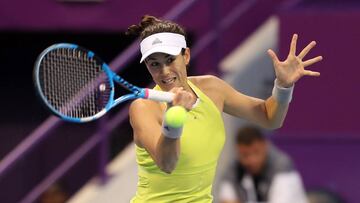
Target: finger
[(184, 99), (311, 73), (178, 94), (307, 49), (293, 45), (312, 61), (177, 99), (273, 56), (176, 89)]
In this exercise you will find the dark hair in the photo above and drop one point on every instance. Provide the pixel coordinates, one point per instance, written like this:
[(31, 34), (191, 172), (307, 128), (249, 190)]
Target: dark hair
[(150, 25), (249, 134)]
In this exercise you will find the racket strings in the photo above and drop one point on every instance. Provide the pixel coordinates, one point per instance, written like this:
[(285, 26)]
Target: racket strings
[(74, 83), (128, 85)]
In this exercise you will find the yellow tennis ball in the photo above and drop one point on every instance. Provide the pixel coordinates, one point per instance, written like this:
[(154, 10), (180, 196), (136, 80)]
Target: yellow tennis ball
[(175, 116)]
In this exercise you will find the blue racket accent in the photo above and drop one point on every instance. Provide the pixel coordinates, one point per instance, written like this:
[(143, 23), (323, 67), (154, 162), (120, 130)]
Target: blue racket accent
[(78, 86), (91, 54)]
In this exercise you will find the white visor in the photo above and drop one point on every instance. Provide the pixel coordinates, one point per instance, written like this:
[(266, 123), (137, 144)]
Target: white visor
[(164, 42)]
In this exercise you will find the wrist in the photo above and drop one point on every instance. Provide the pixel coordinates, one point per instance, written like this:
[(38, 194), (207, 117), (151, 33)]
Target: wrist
[(171, 132), (282, 94), (282, 84)]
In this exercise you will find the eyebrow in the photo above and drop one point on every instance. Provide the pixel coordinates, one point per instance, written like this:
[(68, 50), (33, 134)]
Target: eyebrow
[(166, 56)]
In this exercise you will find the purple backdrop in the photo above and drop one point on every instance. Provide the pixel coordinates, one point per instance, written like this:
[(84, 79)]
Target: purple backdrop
[(321, 131), (117, 15), (110, 15), (328, 103)]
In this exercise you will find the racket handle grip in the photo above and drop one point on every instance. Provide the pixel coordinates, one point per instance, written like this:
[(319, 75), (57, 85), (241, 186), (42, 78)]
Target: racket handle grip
[(158, 95)]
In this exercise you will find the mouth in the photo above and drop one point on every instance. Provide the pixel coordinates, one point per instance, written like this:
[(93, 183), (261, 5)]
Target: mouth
[(168, 81)]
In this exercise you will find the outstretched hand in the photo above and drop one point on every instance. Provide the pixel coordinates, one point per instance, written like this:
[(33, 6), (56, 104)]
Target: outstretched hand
[(293, 68)]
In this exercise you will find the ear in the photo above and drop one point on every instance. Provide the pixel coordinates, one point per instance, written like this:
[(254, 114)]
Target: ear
[(187, 56)]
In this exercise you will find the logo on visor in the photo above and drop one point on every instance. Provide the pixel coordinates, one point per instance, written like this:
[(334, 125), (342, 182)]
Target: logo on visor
[(156, 41)]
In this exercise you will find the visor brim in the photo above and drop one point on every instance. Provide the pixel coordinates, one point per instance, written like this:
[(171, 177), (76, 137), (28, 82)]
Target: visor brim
[(162, 49)]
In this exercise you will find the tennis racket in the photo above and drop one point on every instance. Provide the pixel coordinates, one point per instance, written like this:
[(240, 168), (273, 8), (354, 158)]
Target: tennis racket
[(78, 86)]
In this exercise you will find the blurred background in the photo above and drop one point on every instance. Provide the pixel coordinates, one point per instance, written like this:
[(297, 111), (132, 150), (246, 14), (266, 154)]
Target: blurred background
[(95, 162)]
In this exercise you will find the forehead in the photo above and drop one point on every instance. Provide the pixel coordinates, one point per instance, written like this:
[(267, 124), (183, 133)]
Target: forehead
[(158, 56), (257, 144)]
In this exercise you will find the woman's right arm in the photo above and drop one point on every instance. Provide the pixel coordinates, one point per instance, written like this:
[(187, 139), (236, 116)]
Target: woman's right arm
[(145, 119)]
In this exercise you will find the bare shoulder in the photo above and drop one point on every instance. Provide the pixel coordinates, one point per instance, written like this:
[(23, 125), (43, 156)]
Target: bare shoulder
[(207, 82), (145, 117), (212, 86), (145, 108), (204, 78)]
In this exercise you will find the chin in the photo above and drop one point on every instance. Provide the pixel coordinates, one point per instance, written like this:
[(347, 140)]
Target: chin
[(254, 171)]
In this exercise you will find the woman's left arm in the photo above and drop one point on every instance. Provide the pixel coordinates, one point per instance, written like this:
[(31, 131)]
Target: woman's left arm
[(270, 113)]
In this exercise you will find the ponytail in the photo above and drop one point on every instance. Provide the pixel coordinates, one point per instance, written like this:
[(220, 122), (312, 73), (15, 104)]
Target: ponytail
[(150, 25), (146, 21)]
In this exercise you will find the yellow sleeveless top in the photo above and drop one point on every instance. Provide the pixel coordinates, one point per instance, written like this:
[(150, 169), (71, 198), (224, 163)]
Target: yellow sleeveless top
[(201, 143)]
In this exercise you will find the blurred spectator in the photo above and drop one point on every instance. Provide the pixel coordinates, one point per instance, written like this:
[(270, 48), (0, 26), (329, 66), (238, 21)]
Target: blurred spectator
[(54, 194), (261, 173)]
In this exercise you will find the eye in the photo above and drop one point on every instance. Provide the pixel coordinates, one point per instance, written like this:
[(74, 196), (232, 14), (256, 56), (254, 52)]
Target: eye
[(154, 64), (170, 60)]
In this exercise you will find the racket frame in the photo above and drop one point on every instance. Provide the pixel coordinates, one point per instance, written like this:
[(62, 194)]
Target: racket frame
[(111, 76)]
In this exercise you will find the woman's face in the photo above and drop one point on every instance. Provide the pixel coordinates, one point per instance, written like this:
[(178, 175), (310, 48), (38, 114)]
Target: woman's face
[(168, 71)]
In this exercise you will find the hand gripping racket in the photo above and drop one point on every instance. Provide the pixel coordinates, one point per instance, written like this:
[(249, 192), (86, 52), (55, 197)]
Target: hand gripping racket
[(78, 86)]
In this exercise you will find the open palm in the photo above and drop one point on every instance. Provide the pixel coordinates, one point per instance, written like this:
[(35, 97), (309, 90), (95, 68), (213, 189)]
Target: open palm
[(293, 68)]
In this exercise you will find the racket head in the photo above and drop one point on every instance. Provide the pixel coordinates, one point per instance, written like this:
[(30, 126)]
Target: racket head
[(73, 82)]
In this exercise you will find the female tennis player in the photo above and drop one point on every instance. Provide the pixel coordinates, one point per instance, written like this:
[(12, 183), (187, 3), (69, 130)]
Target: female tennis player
[(178, 164)]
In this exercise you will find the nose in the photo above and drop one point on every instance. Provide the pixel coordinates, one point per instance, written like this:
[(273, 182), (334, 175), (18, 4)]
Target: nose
[(165, 69)]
